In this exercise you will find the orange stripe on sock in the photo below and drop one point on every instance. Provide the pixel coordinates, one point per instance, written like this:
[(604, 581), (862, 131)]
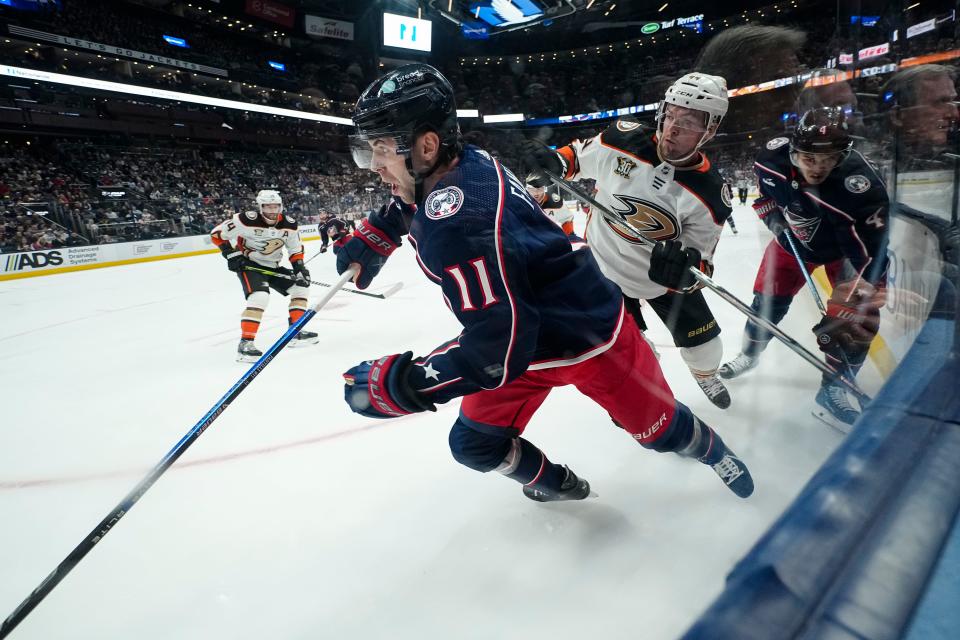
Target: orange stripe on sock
[(248, 329), (295, 314)]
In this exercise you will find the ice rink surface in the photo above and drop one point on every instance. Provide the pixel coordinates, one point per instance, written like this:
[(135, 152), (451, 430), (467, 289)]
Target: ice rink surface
[(291, 517)]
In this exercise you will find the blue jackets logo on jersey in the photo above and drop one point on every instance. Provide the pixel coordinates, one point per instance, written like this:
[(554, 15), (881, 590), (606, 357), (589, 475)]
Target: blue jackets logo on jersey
[(776, 143), (444, 203), (857, 183)]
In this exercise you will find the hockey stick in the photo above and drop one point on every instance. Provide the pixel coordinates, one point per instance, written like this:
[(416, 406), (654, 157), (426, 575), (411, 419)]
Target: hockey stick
[(708, 282), (813, 291), (386, 294), (109, 522), (806, 274), (312, 257)]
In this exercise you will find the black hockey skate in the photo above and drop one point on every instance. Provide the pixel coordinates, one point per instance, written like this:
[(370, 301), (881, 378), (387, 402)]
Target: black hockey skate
[(739, 365), (572, 488), (709, 448), (714, 389), (303, 339), (733, 472), (248, 352), (834, 408)]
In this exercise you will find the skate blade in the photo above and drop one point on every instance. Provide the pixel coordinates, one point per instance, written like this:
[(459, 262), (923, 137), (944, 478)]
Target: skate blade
[(297, 344), (828, 419), (248, 358)]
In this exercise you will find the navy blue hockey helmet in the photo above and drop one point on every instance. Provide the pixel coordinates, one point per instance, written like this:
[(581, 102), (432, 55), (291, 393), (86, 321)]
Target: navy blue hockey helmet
[(822, 130), (402, 104)]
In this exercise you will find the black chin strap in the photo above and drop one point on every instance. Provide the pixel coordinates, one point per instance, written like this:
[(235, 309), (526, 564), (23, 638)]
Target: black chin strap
[(418, 178)]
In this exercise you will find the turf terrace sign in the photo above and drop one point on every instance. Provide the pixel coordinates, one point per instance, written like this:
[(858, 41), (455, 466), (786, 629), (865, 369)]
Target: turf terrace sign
[(691, 22)]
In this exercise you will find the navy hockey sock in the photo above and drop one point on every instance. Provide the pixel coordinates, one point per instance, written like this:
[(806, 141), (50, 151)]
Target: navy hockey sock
[(773, 308), (689, 437), (528, 465)]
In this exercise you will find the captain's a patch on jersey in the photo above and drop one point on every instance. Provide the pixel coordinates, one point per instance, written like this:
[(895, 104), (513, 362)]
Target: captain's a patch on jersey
[(857, 183), (776, 143), (444, 203)]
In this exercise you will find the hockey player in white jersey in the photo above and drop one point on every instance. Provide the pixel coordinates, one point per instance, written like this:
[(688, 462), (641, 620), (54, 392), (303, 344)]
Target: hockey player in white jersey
[(662, 183), (257, 239)]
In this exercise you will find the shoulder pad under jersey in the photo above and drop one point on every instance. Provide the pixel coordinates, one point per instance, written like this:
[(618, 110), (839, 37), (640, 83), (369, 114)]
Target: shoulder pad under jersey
[(633, 138)]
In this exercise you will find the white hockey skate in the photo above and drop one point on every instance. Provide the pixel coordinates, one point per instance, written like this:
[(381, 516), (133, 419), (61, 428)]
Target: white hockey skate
[(739, 365), (247, 351)]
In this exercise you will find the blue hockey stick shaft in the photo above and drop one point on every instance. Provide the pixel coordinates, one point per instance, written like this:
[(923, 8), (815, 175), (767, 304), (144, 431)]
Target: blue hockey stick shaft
[(110, 521), (805, 272), (815, 294)]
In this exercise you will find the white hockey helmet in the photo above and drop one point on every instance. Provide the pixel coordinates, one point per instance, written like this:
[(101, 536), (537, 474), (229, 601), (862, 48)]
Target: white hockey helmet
[(269, 196), (702, 92)]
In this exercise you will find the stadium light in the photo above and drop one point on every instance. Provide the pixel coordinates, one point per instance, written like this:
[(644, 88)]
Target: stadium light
[(163, 94), (503, 117)]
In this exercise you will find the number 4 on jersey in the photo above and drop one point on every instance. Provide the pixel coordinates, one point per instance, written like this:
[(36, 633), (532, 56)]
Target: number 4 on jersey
[(479, 266), (876, 220)]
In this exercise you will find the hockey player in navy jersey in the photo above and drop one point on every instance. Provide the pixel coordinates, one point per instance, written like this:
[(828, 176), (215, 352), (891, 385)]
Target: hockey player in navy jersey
[(333, 229), (832, 202), (536, 313)]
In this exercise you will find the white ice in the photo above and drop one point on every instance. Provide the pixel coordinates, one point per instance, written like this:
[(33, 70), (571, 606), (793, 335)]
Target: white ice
[(291, 517)]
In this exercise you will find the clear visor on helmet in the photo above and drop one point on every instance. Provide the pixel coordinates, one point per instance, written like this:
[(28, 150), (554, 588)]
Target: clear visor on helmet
[(672, 115), (370, 149), (817, 161)]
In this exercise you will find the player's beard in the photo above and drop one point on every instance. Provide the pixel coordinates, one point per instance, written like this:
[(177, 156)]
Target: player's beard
[(673, 156)]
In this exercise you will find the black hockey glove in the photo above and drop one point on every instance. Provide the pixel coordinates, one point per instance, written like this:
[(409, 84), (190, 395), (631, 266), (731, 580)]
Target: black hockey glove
[(374, 240), (852, 320), (670, 265), (300, 271), (537, 156), (236, 261), (323, 248)]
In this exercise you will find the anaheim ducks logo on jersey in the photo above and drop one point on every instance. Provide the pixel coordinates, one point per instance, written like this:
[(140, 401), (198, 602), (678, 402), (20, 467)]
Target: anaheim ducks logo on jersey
[(265, 246), (652, 220)]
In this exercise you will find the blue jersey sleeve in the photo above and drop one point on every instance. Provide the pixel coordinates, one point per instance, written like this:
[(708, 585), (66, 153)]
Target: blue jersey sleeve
[(484, 283)]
